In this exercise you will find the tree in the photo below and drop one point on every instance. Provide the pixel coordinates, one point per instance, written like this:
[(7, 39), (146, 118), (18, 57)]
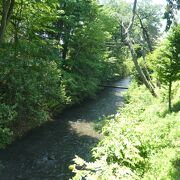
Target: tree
[(129, 42), (141, 31), (148, 23), (146, 31), (166, 61), (74, 16)]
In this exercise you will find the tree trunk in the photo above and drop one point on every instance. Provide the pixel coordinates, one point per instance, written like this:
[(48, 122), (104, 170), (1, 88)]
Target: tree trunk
[(7, 10), (147, 74), (138, 68), (147, 40), (133, 53), (64, 51), (3, 20)]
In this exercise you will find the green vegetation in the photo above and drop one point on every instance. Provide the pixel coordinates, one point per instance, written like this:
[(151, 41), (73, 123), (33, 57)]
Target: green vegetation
[(55, 53), (165, 61), (141, 142), (52, 54)]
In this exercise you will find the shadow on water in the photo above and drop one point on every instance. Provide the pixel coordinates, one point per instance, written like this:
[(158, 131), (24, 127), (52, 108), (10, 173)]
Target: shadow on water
[(47, 151)]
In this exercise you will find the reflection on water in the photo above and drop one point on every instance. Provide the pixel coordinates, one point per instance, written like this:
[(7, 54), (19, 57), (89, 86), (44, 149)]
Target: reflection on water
[(46, 153), (82, 128)]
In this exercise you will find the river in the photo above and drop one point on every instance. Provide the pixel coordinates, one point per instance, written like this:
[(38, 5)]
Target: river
[(46, 152)]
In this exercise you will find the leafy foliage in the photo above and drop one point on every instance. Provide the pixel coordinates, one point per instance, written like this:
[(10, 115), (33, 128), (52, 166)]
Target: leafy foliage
[(30, 86), (52, 54), (165, 60), (136, 143)]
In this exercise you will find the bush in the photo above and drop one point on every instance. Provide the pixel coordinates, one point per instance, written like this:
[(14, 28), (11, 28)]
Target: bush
[(30, 87), (7, 115)]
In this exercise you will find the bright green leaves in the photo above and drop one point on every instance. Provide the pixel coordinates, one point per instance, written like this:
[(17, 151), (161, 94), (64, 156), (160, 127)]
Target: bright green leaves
[(166, 60), (138, 143), (33, 19)]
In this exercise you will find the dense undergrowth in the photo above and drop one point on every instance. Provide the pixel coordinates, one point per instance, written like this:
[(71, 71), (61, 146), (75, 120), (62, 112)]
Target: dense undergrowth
[(141, 142)]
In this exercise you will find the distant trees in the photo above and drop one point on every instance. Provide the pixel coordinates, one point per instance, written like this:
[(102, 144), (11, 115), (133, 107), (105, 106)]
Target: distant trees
[(138, 31), (128, 41), (128, 33)]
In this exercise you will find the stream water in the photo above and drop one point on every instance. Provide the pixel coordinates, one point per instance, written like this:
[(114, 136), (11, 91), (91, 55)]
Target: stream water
[(46, 152)]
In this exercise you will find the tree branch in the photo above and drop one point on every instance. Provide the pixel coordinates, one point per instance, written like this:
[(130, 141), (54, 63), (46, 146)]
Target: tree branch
[(145, 33), (133, 17), (133, 52)]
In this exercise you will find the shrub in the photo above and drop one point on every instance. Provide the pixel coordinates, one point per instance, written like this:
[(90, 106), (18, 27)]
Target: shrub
[(29, 87), (7, 115)]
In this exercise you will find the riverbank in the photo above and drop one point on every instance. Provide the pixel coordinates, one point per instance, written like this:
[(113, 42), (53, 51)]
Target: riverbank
[(47, 152), (139, 142)]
